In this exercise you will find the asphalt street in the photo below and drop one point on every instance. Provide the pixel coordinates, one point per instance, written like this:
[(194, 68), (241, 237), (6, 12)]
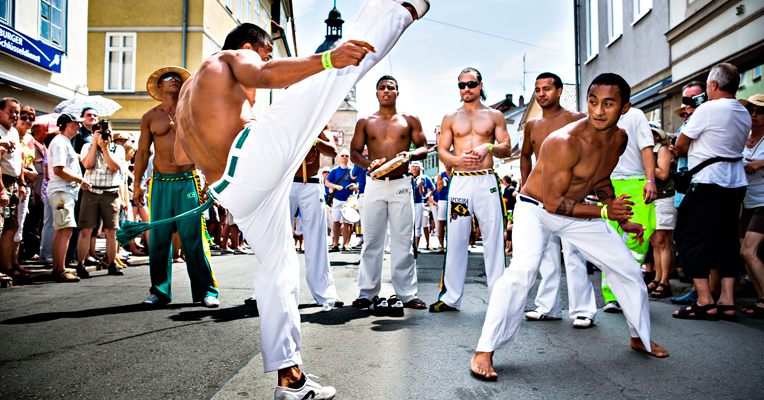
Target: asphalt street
[(92, 340)]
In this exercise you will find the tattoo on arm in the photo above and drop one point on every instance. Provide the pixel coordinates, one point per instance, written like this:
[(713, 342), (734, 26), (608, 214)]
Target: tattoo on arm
[(566, 207), (603, 194)]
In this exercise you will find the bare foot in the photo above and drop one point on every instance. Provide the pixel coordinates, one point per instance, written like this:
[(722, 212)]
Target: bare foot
[(482, 365), (657, 351)]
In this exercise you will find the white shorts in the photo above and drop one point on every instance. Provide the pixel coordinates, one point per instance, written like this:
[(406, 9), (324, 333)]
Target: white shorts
[(665, 214), (442, 210), (337, 212)]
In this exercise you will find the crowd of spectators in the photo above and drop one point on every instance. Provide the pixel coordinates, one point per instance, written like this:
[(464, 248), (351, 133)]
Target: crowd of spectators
[(66, 185)]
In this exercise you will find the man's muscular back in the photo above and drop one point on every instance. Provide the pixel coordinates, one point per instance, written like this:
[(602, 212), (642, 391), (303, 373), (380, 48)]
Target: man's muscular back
[(539, 128), (155, 124), (385, 137), (582, 163), (472, 130), (213, 108)]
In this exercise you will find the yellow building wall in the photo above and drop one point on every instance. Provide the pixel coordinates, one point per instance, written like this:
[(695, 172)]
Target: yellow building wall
[(117, 13)]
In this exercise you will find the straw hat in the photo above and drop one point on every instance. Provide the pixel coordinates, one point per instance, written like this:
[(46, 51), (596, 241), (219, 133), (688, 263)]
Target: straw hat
[(152, 85), (679, 111), (120, 136), (757, 100)]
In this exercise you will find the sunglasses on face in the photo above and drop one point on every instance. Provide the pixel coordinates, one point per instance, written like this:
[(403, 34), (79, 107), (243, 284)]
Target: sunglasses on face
[(25, 118), (470, 84), (756, 110), (344, 156), (683, 115), (171, 77)]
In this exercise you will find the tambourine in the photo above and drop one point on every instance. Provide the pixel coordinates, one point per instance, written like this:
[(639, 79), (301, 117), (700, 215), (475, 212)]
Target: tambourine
[(389, 166)]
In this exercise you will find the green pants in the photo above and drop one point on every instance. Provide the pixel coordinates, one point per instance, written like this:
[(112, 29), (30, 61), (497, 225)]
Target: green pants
[(169, 196), (644, 214)]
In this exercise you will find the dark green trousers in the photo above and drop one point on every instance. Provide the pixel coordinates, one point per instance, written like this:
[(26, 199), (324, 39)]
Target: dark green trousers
[(169, 196)]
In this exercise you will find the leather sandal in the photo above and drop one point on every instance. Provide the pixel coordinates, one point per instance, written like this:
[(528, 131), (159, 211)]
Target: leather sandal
[(726, 317), (662, 291), (701, 313)]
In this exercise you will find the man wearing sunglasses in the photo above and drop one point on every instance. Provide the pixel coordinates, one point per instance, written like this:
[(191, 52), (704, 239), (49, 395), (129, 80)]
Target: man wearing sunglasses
[(174, 189), (477, 134), (581, 301), (252, 160), (388, 199)]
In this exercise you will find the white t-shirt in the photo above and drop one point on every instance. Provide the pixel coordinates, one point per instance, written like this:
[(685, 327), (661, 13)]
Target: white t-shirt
[(62, 154), (11, 162), (719, 128), (635, 124), (754, 194)]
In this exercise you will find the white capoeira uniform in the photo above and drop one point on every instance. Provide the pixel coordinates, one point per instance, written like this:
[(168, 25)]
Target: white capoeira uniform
[(388, 201), (581, 300), (259, 171), (597, 241), (309, 198), (418, 214), (473, 193)]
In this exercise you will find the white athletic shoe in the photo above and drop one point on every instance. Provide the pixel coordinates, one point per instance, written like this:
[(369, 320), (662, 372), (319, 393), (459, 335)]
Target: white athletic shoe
[(310, 390), (153, 300), (421, 6), (612, 307), (537, 316), (583, 323), (211, 302)]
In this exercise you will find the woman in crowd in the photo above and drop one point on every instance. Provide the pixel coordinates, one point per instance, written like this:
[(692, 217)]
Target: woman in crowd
[(665, 217), (752, 220)]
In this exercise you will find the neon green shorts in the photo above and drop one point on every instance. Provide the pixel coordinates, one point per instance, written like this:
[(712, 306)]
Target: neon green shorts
[(644, 214)]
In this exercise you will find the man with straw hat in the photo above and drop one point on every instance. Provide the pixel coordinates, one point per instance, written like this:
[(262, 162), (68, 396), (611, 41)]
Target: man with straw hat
[(174, 190)]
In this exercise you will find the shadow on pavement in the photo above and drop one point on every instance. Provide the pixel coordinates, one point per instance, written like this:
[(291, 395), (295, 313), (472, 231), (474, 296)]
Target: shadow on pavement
[(391, 325), (218, 315), (337, 316)]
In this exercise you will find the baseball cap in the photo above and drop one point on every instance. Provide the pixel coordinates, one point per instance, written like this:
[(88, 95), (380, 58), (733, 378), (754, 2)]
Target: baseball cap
[(416, 164), (66, 118), (326, 169), (344, 152)]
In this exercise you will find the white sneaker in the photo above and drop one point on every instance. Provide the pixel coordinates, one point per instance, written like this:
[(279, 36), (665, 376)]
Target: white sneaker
[(537, 316), (153, 300), (310, 390), (421, 6), (583, 323), (211, 302), (612, 307)]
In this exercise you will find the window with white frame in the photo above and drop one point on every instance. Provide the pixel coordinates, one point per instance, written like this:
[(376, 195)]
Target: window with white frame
[(592, 31), (119, 74), (229, 5), (640, 8), (239, 9), (757, 73), (247, 10), (614, 19), (6, 12), (266, 18), (52, 22), (743, 79), (257, 13)]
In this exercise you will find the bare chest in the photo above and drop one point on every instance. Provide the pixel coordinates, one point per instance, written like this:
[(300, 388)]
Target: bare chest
[(473, 125), (385, 130), (595, 165)]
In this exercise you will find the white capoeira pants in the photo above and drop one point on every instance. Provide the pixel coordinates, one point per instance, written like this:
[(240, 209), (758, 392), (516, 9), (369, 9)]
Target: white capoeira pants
[(418, 219), (388, 201), (309, 199), (434, 211), (442, 210), (476, 194), (596, 240), (581, 300), (259, 171)]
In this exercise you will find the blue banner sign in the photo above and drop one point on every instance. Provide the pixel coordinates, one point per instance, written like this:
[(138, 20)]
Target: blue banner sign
[(28, 49)]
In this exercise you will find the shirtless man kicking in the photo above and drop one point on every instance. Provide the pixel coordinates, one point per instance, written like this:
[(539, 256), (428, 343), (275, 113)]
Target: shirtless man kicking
[(253, 162), (175, 188), (474, 188), (388, 134), (582, 305), (573, 162)]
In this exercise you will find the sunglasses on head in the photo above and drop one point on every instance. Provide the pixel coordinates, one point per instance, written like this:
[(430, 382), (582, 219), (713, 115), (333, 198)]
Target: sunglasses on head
[(25, 118), (171, 77), (756, 110), (470, 84)]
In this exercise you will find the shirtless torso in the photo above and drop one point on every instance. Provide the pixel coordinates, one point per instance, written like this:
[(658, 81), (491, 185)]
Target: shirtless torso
[(469, 131), (325, 146), (537, 130), (386, 137)]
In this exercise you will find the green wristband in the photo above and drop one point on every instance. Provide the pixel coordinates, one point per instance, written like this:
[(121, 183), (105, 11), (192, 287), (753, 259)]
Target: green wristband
[(490, 148), (603, 212), (326, 60)]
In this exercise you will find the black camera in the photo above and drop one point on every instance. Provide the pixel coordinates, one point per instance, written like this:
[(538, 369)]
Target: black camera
[(103, 126), (695, 101)]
